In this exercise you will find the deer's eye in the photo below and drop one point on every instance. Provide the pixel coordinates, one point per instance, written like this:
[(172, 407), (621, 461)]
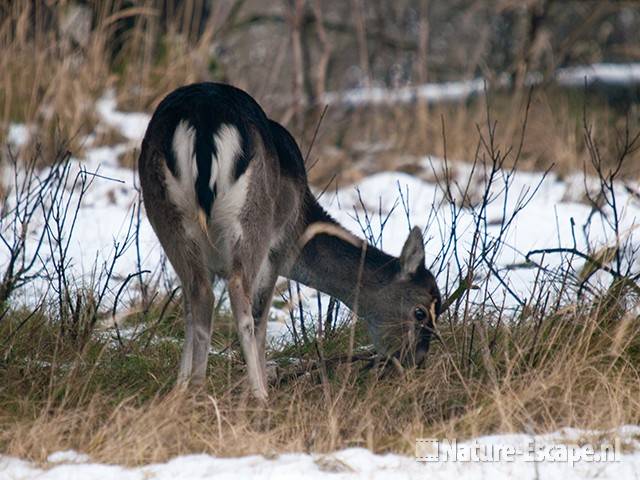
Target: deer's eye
[(420, 314)]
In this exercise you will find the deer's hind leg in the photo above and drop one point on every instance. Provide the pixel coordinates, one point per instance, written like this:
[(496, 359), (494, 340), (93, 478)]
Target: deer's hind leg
[(198, 302), (186, 256), (250, 273), (242, 305), (262, 298), (184, 242)]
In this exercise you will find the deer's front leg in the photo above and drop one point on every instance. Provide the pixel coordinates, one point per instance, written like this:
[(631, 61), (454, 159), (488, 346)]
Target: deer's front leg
[(241, 305)]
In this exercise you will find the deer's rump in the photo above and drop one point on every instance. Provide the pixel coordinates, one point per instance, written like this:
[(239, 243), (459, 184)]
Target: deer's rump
[(210, 154), (205, 134)]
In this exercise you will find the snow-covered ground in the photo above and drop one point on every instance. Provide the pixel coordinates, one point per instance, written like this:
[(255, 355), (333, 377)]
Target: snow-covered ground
[(605, 73), (406, 200), (562, 455), (392, 201)]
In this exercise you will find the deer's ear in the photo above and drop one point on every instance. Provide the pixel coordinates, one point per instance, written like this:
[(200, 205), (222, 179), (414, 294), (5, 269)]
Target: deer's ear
[(412, 256)]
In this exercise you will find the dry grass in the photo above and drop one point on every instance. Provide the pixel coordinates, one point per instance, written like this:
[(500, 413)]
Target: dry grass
[(45, 80), (51, 74), (353, 142), (541, 368), (55, 63), (577, 366)]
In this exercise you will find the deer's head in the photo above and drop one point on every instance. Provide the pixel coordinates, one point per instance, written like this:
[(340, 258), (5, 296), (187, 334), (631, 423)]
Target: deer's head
[(401, 316)]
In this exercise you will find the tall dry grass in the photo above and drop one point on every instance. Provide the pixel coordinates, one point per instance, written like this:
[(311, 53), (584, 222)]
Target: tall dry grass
[(568, 355), (576, 367), (546, 365), (364, 139), (58, 58)]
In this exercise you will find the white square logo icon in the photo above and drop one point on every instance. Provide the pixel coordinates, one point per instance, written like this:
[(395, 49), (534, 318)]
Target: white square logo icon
[(426, 450)]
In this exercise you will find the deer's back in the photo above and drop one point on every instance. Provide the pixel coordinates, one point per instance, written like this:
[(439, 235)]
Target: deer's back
[(210, 153), (216, 117)]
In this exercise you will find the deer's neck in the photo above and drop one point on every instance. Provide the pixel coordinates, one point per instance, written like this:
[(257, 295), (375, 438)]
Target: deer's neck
[(336, 266)]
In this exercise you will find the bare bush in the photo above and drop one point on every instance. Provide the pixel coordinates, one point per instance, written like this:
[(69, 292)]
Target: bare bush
[(24, 210), (37, 226)]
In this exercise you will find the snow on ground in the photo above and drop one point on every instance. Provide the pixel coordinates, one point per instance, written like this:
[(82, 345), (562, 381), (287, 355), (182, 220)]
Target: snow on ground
[(131, 124), (407, 201), (609, 73), (605, 73), (18, 134), (430, 92), (546, 222), (562, 455)]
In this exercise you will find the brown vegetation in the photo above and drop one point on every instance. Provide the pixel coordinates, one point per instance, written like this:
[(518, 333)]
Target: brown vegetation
[(58, 58), (567, 356)]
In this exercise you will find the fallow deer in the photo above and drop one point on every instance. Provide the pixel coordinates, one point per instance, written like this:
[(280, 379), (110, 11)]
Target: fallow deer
[(225, 190)]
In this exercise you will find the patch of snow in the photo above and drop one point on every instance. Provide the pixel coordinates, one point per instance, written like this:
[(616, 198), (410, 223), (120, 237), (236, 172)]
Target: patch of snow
[(131, 124), (549, 220), (278, 332), (18, 134), (430, 92), (609, 73), (68, 456), (359, 463)]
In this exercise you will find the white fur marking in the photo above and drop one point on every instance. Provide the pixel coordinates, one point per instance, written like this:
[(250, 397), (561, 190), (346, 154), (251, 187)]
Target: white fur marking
[(181, 189), (230, 194), (228, 148), (214, 174), (227, 208), (184, 150)]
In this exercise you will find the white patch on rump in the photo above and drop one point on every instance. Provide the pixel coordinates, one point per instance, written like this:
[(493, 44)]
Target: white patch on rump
[(228, 148), (181, 189), (228, 207), (184, 140), (223, 228), (231, 194), (227, 141)]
